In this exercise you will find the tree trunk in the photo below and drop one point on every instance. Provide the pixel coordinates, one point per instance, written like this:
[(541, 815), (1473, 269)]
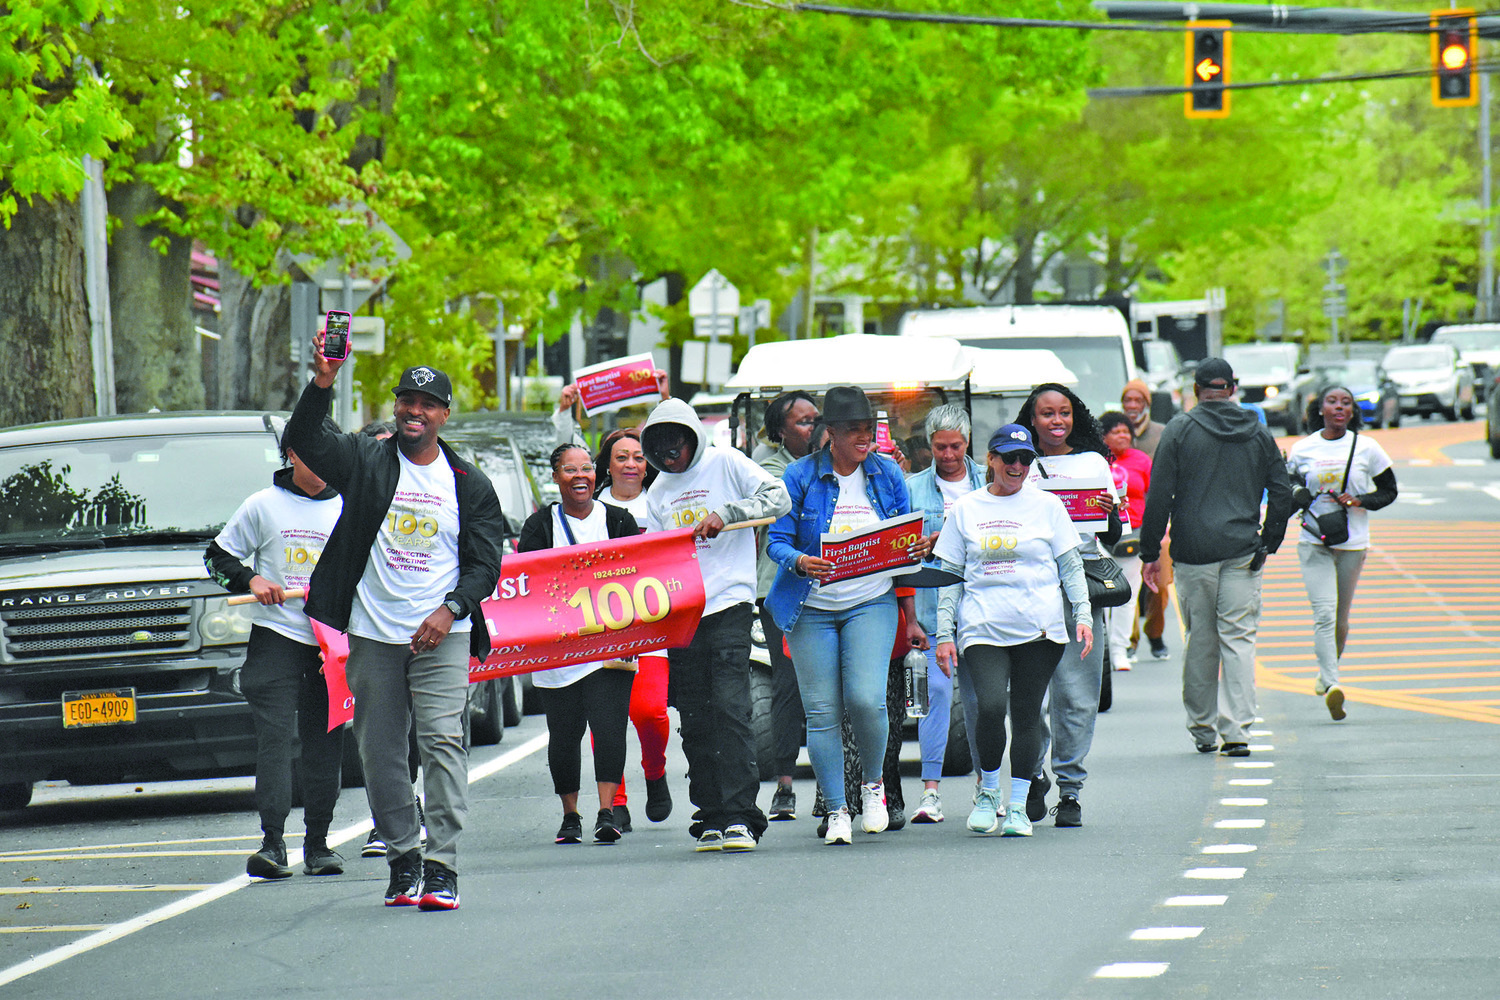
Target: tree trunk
[(1025, 272), (44, 316), (255, 352), (157, 360)]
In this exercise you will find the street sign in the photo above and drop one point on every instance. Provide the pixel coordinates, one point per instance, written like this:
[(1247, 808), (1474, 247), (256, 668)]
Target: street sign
[(704, 363), (713, 295)]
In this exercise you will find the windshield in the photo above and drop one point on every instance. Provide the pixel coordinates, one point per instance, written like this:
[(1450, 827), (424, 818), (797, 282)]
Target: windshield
[(1487, 339), (1099, 363), (86, 490), (1160, 356), (1262, 362), (1352, 372), (1417, 357)]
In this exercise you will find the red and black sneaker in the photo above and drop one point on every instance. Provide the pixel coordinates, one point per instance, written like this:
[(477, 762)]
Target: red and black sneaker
[(405, 887), (439, 887)]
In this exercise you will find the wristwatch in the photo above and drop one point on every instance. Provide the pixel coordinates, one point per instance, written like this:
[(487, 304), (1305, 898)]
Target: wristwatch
[(455, 607)]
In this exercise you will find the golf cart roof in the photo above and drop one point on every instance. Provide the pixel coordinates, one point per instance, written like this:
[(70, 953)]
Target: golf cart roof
[(998, 370), (869, 361)]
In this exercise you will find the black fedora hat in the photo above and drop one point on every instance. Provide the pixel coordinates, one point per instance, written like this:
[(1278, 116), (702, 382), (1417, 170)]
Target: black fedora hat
[(846, 403)]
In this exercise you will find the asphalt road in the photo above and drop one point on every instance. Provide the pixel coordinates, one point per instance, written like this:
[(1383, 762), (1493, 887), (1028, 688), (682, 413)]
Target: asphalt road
[(1349, 859)]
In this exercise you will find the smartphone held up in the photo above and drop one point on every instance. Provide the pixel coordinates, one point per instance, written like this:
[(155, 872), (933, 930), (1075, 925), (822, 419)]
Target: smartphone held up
[(336, 335)]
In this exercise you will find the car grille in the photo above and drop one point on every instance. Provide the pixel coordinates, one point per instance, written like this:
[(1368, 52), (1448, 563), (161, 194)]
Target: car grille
[(1252, 393), (129, 628)]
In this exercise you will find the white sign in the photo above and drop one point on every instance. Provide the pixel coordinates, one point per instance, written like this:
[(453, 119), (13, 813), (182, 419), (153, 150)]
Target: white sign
[(714, 296), (704, 363)]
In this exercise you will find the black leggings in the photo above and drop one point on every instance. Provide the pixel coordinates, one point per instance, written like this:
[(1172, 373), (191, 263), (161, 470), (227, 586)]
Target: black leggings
[(599, 701), (1023, 673)]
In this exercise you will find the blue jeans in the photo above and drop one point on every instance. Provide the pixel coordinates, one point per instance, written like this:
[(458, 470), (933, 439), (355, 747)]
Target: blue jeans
[(842, 660), (932, 729)]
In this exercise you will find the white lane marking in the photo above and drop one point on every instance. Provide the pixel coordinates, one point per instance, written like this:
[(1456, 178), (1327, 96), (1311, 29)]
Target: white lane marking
[(1131, 970), (1250, 782), (1196, 901), (1493, 491), (1459, 484), (1239, 824), (1254, 763), (139, 843), (1262, 747), (113, 855), (1261, 732), (1165, 933), (1229, 848), (1222, 874), (1468, 461), (1419, 461), (45, 889), (1242, 802), (115, 932), (55, 929)]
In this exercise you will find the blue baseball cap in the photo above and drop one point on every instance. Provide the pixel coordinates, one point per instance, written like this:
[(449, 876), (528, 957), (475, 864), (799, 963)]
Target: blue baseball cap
[(1010, 439)]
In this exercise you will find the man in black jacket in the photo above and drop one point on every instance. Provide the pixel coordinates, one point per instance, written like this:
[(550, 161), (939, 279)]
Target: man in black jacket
[(415, 550), (1210, 469)]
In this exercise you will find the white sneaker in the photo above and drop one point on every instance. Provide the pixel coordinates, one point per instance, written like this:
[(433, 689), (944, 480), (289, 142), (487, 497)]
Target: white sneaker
[(840, 827), (930, 810), (872, 806), (1017, 824)]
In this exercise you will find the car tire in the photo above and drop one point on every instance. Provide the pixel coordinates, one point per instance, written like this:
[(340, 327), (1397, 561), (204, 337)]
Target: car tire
[(1468, 411), (1450, 413), (15, 795), (486, 726), (1395, 417), (510, 701), (957, 761), (762, 729)]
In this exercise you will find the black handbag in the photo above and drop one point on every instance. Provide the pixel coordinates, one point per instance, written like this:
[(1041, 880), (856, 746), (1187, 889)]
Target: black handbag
[(1332, 528)]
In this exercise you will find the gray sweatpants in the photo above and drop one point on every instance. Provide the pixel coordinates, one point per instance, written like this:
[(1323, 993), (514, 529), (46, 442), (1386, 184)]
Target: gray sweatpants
[(1330, 576), (1073, 707), (1219, 603), (391, 685)]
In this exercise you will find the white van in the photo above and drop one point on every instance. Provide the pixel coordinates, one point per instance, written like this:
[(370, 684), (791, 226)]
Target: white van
[(1092, 341)]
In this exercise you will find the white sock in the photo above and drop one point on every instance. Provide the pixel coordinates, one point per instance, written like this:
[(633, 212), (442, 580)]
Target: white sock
[(1019, 789), (990, 780)]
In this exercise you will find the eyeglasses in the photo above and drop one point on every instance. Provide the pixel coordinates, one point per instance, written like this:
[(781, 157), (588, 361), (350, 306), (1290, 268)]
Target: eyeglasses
[(1017, 458), (575, 470)]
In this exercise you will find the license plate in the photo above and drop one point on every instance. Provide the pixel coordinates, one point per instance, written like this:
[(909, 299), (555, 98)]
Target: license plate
[(98, 708)]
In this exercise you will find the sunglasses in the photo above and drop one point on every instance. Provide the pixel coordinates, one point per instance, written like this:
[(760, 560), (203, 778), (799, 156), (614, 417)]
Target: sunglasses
[(1016, 458)]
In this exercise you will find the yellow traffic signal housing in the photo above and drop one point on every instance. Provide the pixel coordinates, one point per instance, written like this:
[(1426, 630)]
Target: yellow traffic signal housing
[(1455, 48), (1207, 70)]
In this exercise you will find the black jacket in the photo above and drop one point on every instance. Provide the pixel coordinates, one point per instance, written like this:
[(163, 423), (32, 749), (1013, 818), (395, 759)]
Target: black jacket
[(1207, 475), (233, 575), (536, 533), (366, 472)]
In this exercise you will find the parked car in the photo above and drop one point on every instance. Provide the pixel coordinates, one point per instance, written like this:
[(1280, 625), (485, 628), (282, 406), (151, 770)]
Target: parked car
[(1491, 418), (484, 439), (1377, 397), (1431, 379), (1270, 376), (1478, 347)]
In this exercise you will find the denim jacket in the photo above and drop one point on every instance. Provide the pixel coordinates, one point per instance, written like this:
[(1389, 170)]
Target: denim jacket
[(815, 492), (928, 498)]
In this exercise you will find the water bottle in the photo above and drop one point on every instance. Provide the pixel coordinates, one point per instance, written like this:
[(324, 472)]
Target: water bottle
[(915, 670)]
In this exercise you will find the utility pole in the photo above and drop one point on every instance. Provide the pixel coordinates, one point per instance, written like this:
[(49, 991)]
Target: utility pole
[(1335, 297)]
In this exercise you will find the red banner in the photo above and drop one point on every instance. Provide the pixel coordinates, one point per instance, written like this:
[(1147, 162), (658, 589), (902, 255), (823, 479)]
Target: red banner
[(334, 645), (596, 601), (1082, 499), (613, 384), (879, 548)]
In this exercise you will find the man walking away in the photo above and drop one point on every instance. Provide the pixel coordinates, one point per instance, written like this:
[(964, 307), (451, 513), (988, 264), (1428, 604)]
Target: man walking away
[(1207, 476), (414, 552)]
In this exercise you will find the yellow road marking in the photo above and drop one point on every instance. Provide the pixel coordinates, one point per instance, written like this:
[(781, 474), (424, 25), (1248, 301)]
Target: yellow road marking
[(143, 843), (44, 889)]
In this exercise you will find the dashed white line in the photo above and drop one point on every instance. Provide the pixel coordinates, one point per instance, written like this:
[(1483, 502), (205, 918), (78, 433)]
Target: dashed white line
[(1196, 901), (1229, 849), (1250, 782), (1131, 970), (1239, 824), (1242, 802), (1165, 933), (1253, 763), (1262, 747), (1221, 874)]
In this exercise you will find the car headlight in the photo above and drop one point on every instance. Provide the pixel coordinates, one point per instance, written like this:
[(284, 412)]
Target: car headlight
[(225, 625), (1272, 390)]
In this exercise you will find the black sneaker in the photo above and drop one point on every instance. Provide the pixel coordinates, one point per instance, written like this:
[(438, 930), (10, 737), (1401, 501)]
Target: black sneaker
[(439, 887), (658, 799), (605, 831), (783, 803), (622, 819), (405, 887), (1158, 648), (1207, 747), (1234, 750), (318, 859), (1068, 811), (270, 860), (571, 831), (1036, 798), (374, 845)]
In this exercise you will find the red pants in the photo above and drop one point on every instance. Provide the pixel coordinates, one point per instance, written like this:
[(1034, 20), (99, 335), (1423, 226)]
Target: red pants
[(648, 710)]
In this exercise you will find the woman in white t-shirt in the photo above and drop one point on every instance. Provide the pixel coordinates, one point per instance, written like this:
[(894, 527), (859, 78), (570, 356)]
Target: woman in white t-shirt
[(592, 696), (1331, 572), (622, 472), (1069, 446), (1017, 552)]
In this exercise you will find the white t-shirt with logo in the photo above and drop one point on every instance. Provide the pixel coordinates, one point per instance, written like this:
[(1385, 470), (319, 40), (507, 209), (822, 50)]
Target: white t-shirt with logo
[(682, 499), (413, 564), (952, 491), (1008, 547), (636, 505), (851, 511), (281, 535), (588, 529), (1080, 465), (1319, 463)]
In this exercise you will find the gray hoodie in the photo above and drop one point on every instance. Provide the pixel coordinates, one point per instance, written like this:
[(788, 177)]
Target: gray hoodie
[(1207, 476), (719, 481)]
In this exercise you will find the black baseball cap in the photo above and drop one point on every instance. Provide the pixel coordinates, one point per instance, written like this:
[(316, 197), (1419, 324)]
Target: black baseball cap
[(424, 379), (1213, 370)]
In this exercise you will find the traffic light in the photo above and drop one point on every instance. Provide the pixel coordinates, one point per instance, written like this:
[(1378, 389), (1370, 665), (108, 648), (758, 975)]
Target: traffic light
[(1207, 70), (1455, 39)]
